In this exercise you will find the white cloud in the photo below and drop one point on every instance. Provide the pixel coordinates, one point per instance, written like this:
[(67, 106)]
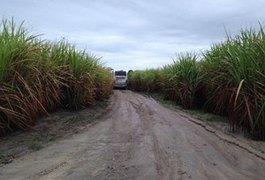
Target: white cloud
[(136, 34)]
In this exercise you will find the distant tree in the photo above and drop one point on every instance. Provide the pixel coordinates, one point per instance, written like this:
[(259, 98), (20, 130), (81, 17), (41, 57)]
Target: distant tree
[(130, 71)]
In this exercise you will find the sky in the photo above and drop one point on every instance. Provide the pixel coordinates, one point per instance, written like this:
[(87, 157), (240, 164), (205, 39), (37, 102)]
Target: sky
[(136, 34)]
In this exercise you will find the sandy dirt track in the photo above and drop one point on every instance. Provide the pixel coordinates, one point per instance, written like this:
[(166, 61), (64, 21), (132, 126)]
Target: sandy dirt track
[(140, 139)]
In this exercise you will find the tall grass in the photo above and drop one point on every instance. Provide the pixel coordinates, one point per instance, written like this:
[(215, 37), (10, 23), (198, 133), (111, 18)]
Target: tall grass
[(182, 79), (235, 79), (148, 80), (37, 77), (229, 80)]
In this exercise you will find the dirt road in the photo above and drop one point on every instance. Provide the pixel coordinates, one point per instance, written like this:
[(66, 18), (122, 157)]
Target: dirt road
[(140, 139)]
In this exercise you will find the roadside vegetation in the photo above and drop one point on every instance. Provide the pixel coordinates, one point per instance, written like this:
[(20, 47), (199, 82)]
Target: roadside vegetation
[(38, 77), (229, 80)]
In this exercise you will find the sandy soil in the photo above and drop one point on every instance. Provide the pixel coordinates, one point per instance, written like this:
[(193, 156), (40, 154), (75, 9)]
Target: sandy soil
[(141, 139), (49, 130)]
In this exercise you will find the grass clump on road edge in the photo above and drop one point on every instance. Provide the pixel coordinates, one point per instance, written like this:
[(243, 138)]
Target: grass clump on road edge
[(37, 77), (228, 80)]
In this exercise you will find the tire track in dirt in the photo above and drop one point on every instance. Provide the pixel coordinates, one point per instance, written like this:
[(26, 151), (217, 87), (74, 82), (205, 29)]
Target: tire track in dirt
[(164, 168), (226, 138), (123, 145), (140, 139)]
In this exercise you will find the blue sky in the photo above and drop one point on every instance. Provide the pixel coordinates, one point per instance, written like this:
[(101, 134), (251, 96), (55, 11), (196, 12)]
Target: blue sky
[(136, 34)]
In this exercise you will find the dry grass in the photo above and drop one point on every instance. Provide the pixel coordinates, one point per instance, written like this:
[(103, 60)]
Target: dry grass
[(229, 80), (37, 77)]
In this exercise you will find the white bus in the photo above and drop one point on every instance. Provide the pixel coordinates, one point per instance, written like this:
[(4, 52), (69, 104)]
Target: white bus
[(120, 78)]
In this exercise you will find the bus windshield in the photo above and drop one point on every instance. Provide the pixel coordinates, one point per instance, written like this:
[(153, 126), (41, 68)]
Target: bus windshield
[(120, 73)]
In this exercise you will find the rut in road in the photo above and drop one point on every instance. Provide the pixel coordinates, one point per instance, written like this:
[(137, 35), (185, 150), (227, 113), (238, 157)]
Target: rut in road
[(139, 139)]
